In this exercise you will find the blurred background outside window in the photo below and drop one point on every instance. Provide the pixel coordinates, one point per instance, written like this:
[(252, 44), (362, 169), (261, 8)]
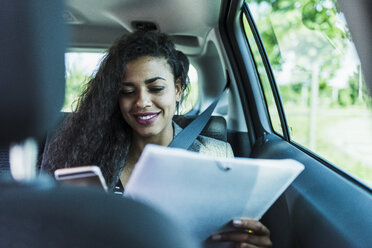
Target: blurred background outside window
[(317, 70)]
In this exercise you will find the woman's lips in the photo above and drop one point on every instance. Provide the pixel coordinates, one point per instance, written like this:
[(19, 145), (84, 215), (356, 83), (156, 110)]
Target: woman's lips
[(146, 118)]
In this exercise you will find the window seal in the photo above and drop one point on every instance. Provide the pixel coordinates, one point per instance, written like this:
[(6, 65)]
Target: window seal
[(265, 101), (230, 38), (268, 70)]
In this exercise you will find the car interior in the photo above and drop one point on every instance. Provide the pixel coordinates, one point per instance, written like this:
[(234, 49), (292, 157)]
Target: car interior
[(323, 207)]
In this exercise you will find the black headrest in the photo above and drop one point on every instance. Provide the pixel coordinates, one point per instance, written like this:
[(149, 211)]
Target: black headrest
[(215, 128), (48, 216), (32, 45)]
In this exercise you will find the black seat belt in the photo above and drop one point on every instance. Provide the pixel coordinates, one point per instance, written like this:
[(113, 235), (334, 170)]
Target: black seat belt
[(187, 136)]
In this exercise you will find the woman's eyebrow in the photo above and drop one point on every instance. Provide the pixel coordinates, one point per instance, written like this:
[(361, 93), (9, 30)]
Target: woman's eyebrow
[(149, 81)]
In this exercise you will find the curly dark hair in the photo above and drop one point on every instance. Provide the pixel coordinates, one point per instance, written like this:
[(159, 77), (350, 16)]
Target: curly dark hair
[(96, 133)]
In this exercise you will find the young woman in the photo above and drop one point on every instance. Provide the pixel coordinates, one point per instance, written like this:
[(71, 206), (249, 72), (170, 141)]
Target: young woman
[(129, 103)]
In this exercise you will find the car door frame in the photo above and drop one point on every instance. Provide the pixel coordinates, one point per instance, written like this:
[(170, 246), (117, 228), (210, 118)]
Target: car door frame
[(324, 206)]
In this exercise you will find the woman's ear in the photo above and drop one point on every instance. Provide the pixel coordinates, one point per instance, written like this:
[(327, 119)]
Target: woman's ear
[(178, 86)]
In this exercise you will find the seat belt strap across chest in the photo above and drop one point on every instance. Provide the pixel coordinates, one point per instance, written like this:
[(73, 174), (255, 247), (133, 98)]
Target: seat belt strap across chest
[(187, 136)]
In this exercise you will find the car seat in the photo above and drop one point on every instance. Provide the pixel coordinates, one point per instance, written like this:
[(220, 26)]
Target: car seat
[(39, 213), (215, 128)]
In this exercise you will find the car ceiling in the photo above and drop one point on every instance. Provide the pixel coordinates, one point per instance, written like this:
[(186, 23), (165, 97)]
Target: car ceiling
[(97, 23)]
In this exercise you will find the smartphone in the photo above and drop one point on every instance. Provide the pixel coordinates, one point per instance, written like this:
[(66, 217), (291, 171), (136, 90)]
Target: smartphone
[(90, 175)]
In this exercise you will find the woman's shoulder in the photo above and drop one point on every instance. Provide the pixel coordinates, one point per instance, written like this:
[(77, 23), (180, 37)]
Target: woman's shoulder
[(213, 147), (208, 145)]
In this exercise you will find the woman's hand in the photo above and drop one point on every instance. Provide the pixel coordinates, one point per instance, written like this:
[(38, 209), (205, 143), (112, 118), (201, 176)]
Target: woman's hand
[(250, 233)]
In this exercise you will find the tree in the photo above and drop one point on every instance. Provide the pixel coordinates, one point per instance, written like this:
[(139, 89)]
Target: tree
[(306, 30)]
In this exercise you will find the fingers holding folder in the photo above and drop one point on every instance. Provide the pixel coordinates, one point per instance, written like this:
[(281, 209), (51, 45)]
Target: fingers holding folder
[(248, 233)]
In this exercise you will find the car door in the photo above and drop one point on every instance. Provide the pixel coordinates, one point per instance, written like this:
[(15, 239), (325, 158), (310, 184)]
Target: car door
[(327, 205)]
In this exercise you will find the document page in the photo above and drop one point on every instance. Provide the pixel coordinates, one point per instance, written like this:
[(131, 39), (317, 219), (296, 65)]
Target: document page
[(203, 194)]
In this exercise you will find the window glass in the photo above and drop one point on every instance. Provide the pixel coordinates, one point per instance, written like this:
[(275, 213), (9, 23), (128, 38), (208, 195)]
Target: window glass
[(318, 73), (189, 102), (264, 79), (80, 66)]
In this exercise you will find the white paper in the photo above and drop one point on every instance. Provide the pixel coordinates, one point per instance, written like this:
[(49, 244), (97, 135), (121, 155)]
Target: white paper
[(203, 194)]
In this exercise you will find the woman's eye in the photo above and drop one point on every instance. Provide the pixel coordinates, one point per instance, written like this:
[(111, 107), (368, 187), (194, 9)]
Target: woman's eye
[(126, 92), (156, 89)]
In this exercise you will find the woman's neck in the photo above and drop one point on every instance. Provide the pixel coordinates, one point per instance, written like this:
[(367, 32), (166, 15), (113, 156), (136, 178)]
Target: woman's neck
[(135, 150), (139, 142)]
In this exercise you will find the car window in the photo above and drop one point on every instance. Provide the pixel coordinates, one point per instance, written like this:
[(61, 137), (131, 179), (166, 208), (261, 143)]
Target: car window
[(264, 78), (80, 66), (318, 73)]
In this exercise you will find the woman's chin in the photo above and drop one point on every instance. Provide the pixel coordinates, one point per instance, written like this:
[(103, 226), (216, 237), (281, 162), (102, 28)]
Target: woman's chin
[(146, 133)]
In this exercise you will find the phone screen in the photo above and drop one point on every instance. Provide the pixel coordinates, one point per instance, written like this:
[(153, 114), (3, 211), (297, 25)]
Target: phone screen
[(86, 176)]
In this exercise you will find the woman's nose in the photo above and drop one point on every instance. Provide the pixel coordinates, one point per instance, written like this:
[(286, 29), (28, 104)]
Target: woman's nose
[(143, 100)]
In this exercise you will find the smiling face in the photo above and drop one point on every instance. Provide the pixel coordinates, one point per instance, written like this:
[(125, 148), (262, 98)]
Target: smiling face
[(148, 98)]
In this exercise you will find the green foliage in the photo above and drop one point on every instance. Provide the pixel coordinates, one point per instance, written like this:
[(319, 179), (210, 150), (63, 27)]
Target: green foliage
[(291, 93), (308, 29), (272, 49), (75, 81), (308, 43), (358, 96), (316, 16), (353, 88), (321, 15), (344, 98), (279, 5)]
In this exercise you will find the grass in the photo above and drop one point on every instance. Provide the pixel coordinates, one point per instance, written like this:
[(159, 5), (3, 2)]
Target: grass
[(342, 136)]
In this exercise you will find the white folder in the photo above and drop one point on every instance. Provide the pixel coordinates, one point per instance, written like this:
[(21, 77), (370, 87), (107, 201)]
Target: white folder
[(203, 193)]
